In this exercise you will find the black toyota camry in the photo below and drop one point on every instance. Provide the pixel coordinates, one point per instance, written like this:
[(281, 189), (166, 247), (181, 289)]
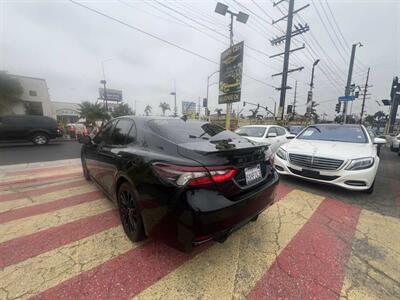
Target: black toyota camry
[(184, 182)]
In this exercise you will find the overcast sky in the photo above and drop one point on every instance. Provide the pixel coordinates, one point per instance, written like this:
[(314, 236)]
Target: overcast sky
[(65, 44)]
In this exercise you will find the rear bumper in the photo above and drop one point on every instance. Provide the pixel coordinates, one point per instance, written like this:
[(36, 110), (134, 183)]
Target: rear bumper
[(206, 214)]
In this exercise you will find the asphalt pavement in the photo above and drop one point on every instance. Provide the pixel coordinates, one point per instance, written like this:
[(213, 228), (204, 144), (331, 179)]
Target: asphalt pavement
[(18, 153)]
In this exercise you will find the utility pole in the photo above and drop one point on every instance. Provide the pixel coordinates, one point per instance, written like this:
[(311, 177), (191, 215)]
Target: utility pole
[(364, 96), (294, 99), (299, 29), (349, 77)]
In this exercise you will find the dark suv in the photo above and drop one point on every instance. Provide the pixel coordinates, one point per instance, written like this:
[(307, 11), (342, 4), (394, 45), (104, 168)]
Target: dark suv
[(37, 129)]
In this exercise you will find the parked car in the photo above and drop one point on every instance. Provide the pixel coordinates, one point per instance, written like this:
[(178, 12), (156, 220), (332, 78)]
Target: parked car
[(182, 182), (272, 135), (341, 155), (295, 129), (37, 129), (395, 143), (76, 130)]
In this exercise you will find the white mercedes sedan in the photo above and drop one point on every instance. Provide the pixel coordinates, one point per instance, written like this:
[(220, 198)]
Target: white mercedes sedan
[(341, 155)]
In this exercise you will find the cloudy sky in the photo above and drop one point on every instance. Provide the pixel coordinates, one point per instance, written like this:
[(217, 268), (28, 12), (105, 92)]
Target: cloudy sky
[(66, 43)]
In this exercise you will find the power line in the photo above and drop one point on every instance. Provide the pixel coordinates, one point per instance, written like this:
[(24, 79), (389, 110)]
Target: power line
[(159, 38), (346, 43), (329, 34)]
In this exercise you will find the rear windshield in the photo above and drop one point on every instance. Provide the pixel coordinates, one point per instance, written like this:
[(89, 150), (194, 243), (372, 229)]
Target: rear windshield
[(334, 133), (179, 131), (295, 129), (251, 131)]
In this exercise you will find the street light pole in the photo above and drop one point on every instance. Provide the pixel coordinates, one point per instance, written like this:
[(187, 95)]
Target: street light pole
[(208, 82), (310, 93), (240, 17), (104, 82), (349, 76)]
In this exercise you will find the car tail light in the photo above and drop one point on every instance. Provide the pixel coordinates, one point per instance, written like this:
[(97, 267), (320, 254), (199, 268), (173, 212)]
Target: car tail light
[(194, 176)]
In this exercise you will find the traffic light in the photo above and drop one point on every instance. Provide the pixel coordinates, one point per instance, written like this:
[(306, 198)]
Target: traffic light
[(289, 109), (244, 103), (205, 102), (258, 106), (337, 108)]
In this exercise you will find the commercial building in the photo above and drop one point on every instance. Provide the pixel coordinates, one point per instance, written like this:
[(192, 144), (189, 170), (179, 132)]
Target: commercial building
[(65, 112), (35, 99)]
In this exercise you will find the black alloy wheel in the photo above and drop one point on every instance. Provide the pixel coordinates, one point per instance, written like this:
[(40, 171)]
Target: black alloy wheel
[(130, 216)]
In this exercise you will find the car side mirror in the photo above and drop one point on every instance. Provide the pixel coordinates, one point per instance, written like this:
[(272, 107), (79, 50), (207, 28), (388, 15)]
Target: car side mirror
[(290, 136), (271, 135), (379, 141), (85, 140)]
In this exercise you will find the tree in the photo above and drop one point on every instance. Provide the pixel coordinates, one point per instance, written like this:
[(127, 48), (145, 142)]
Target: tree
[(369, 120), (219, 112), (122, 110), (147, 110), (164, 107), (10, 92), (380, 118), (92, 112)]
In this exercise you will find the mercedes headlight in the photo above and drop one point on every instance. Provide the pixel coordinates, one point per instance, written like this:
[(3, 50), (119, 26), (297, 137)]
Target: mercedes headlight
[(282, 154), (360, 163)]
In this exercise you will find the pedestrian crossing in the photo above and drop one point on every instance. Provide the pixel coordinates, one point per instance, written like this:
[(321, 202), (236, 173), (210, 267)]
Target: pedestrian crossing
[(60, 238)]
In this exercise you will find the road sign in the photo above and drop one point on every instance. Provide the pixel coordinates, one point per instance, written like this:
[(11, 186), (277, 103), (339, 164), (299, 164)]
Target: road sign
[(346, 98)]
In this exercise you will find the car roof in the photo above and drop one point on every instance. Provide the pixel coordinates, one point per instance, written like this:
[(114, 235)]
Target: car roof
[(264, 126)]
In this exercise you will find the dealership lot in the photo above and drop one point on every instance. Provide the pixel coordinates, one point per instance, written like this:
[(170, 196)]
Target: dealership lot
[(61, 238)]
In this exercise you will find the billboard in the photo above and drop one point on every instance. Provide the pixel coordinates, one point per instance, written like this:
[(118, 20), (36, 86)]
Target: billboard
[(112, 95), (188, 108), (230, 74)]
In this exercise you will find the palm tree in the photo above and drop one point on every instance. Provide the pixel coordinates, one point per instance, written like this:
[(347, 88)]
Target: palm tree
[(122, 110), (164, 107), (147, 110), (10, 92), (369, 120), (92, 112)]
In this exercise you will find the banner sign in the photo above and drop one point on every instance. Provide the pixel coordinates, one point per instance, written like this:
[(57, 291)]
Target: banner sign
[(230, 74), (112, 95), (188, 108)]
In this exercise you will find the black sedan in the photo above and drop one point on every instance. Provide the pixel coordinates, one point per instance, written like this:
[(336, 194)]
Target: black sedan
[(184, 182)]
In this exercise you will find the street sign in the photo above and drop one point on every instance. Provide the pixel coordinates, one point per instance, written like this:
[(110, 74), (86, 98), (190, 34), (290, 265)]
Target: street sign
[(346, 98), (230, 75)]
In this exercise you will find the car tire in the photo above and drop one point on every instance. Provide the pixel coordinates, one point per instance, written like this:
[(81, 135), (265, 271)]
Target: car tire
[(371, 188), (131, 218), (40, 138), (85, 170)]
